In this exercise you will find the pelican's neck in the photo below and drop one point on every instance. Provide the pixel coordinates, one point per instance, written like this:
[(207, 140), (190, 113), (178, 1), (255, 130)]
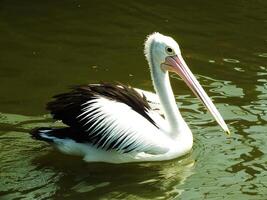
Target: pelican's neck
[(163, 89)]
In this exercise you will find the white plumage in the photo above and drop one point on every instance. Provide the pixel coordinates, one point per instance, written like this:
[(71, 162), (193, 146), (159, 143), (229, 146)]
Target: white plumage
[(117, 124), (113, 118)]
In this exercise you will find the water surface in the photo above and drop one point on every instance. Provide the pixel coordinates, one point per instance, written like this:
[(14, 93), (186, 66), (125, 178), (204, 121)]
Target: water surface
[(47, 46)]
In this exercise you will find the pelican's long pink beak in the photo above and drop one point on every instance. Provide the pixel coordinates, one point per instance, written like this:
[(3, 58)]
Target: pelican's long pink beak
[(177, 64)]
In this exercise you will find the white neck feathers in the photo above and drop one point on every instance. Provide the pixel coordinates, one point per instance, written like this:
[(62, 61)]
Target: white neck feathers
[(163, 89)]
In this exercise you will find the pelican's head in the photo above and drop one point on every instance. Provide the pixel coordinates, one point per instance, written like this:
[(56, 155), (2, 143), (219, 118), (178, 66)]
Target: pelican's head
[(164, 55), (158, 47)]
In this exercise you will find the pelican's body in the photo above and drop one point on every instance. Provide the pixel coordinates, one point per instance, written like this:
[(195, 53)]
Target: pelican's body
[(117, 124)]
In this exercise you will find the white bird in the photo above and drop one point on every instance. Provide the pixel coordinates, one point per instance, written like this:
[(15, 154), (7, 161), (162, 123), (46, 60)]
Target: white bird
[(116, 123)]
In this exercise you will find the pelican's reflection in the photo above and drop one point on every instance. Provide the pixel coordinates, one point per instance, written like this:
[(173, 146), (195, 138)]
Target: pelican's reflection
[(158, 180)]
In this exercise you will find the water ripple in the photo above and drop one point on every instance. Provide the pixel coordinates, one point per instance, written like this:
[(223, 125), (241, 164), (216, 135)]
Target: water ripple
[(231, 60), (263, 55)]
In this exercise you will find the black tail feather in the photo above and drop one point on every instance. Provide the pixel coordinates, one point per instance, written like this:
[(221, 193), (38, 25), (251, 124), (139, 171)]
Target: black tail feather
[(38, 133), (50, 134)]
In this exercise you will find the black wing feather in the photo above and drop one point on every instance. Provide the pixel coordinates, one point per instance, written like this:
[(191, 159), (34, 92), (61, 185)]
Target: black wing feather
[(68, 106)]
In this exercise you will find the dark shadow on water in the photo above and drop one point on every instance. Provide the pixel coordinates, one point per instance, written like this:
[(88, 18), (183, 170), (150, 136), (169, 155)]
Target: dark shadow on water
[(80, 180)]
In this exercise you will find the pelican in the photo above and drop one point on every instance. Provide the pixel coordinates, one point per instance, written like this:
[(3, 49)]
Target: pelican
[(115, 123)]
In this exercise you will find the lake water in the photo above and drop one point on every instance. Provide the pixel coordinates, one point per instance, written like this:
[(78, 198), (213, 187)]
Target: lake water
[(47, 46)]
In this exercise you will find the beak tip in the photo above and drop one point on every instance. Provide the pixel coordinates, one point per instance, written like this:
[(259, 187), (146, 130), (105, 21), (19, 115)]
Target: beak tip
[(227, 131)]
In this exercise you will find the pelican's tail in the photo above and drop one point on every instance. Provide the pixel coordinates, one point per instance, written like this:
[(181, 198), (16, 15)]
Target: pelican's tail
[(43, 134), (50, 134)]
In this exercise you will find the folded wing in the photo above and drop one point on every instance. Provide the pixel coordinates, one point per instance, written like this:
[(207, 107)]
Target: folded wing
[(118, 119)]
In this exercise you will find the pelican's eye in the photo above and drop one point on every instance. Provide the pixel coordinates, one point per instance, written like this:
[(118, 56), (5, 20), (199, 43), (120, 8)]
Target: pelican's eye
[(169, 50)]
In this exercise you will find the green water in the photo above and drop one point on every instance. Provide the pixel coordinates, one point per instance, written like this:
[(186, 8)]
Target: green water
[(47, 46)]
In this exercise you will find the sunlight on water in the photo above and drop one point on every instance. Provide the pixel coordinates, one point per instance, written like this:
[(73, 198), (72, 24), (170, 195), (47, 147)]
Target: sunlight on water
[(231, 60)]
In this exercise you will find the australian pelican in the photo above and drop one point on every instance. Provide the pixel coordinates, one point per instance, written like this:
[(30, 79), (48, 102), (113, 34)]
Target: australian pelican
[(117, 124)]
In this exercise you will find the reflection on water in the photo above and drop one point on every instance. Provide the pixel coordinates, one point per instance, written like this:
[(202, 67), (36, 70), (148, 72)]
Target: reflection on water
[(262, 55), (231, 60), (19, 178), (48, 46)]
